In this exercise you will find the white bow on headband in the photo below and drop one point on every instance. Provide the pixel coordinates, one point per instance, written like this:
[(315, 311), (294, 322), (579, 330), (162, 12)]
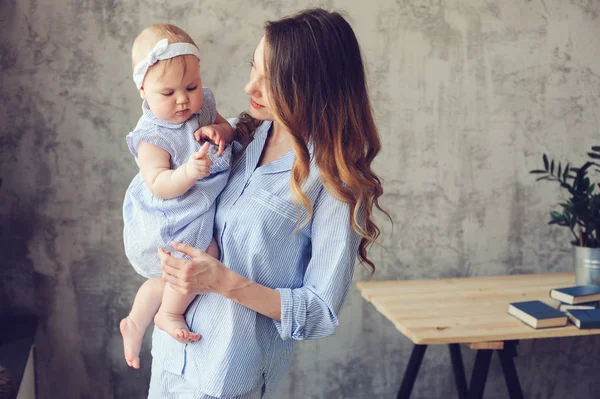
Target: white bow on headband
[(162, 51)]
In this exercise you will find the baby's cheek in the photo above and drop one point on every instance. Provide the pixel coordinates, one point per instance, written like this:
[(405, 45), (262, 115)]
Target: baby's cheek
[(163, 112), (200, 101)]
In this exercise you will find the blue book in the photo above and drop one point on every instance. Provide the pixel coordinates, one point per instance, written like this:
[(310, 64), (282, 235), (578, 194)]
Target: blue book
[(537, 314), (577, 294), (563, 307), (585, 318)]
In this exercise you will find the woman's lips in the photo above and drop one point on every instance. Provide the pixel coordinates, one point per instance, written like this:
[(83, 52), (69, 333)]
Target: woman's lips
[(255, 104)]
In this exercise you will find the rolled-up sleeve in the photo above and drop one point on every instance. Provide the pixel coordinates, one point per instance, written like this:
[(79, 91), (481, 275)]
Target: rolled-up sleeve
[(311, 311)]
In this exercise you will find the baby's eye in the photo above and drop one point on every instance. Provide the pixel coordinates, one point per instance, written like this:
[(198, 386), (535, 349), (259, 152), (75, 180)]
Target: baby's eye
[(192, 88), (167, 93)]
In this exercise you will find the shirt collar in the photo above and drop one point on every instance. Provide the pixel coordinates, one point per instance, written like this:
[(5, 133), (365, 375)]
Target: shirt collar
[(263, 130), (153, 119), (256, 146)]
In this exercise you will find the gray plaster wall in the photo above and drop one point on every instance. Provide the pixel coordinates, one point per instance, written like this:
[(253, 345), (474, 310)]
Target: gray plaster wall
[(468, 94)]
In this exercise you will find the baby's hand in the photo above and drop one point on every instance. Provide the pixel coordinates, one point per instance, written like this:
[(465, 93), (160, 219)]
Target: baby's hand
[(198, 166), (209, 132)]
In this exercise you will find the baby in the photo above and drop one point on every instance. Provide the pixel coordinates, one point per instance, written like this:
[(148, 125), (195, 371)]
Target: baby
[(172, 197)]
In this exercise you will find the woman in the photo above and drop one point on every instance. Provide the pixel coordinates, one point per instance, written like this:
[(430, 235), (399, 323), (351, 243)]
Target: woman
[(295, 213)]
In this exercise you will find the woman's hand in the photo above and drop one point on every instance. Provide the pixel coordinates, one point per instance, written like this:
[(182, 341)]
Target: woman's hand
[(200, 275), (203, 274)]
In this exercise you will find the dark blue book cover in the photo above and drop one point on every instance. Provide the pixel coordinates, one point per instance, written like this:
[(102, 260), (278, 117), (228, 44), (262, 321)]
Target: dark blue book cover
[(589, 318), (576, 294), (538, 309), (537, 314)]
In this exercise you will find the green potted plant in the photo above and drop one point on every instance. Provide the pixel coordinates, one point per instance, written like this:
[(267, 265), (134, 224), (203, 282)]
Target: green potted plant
[(580, 213)]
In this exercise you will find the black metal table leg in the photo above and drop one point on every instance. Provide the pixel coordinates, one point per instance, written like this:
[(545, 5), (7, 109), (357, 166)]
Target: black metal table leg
[(480, 372), (510, 372), (412, 369), (459, 370)]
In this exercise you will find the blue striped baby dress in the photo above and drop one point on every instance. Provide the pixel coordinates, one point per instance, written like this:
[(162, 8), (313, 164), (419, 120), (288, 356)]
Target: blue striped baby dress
[(150, 222)]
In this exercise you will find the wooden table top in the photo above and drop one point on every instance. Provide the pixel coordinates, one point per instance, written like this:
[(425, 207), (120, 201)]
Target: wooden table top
[(466, 310)]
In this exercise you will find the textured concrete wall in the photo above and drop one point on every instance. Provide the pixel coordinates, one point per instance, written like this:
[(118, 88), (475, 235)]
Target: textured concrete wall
[(467, 94)]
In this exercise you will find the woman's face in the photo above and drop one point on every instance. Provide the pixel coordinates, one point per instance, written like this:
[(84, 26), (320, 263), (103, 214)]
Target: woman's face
[(260, 105)]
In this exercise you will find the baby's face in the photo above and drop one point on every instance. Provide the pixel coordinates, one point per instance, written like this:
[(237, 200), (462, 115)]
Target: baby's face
[(173, 95)]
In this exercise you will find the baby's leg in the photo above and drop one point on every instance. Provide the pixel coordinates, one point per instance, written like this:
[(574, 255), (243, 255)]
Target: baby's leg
[(170, 315), (133, 327), (174, 304)]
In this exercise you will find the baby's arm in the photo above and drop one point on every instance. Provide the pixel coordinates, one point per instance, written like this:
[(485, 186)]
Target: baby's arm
[(164, 182), (219, 133)]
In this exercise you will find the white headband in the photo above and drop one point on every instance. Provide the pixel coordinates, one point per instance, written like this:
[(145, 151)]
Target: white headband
[(162, 51)]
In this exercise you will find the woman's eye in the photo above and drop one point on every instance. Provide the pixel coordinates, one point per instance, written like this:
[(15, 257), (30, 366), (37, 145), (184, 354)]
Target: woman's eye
[(251, 64), (192, 88)]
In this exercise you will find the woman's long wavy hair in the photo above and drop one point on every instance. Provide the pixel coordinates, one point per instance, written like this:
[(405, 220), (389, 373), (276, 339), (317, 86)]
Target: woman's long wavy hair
[(316, 81)]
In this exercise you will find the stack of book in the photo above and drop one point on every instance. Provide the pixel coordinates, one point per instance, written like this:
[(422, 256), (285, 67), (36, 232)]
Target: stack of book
[(580, 304)]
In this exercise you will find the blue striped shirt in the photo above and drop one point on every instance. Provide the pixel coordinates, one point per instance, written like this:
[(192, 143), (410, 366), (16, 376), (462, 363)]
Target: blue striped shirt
[(150, 222), (256, 227)]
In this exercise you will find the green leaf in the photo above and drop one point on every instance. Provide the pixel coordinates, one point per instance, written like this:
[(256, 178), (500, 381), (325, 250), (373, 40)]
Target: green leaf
[(545, 158), (593, 155), (542, 178), (559, 170), (596, 148), (567, 219), (537, 171), (591, 189), (566, 173), (552, 167), (580, 185), (557, 218)]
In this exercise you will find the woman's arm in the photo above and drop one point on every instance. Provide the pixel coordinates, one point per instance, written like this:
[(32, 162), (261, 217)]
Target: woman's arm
[(307, 312), (204, 274), (311, 311), (224, 128), (164, 182), (261, 299)]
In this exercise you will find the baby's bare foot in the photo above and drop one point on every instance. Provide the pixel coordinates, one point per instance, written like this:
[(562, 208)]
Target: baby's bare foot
[(132, 342), (175, 326)]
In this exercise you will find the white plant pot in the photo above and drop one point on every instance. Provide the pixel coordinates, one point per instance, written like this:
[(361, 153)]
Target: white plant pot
[(587, 265)]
